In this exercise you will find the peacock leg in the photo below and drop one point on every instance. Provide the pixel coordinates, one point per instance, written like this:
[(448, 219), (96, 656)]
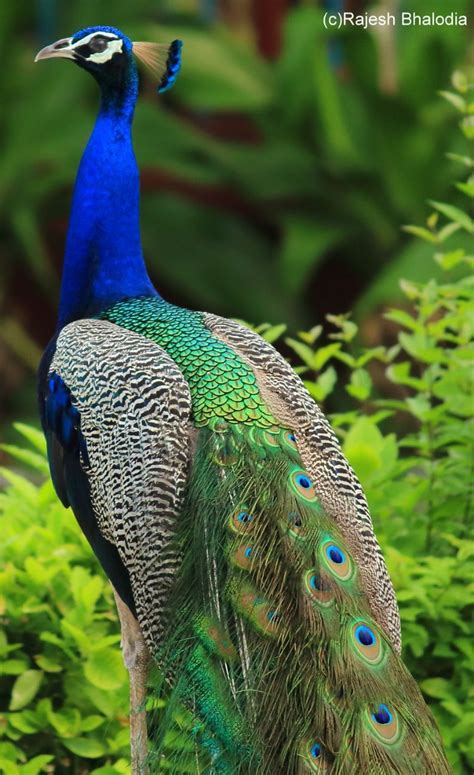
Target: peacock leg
[(137, 660)]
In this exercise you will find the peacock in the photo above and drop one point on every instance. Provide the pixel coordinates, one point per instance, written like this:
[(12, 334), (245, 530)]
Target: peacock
[(250, 587)]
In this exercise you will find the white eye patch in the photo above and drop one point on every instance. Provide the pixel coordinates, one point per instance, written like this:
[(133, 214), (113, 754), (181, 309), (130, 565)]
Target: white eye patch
[(114, 46)]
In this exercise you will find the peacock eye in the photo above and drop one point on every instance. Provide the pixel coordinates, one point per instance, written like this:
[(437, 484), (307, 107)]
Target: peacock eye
[(98, 44)]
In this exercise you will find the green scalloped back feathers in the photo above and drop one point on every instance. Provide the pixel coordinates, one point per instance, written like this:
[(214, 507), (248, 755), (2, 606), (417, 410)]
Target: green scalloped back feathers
[(221, 384), (271, 643)]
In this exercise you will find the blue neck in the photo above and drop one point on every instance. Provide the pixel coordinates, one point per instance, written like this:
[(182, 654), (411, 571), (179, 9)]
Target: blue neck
[(103, 260)]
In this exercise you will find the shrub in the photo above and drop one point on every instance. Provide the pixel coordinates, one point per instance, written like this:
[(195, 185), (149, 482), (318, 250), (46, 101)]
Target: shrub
[(63, 686)]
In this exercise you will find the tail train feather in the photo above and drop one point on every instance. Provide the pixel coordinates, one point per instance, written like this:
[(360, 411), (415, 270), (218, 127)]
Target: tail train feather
[(280, 661)]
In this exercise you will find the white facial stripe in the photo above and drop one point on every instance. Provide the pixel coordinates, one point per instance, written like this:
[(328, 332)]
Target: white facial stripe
[(103, 56), (88, 38), (115, 45)]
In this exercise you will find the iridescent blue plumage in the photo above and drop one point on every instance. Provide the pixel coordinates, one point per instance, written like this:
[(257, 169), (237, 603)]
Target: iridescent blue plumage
[(63, 418), (104, 226)]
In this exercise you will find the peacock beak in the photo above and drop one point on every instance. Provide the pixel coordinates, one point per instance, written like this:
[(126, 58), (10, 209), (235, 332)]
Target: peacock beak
[(62, 48)]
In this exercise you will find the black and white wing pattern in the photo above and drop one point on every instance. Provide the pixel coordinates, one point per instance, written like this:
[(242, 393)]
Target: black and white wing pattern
[(116, 413)]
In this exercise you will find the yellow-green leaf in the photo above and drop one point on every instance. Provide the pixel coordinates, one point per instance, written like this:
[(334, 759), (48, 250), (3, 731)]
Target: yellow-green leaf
[(86, 747), (25, 688), (105, 669)]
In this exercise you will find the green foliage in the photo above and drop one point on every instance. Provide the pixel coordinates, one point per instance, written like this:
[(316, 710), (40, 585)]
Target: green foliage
[(63, 687)]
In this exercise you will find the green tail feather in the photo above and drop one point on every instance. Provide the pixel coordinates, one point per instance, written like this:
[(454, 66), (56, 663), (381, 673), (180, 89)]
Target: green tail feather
[(271, 644)]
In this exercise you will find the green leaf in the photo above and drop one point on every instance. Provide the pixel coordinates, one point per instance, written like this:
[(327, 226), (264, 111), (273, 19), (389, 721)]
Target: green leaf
[(66, 722), (91, 722), (105, 669), (466, 188), (455, 99), (25, 689), (410, 289), (419, 406), (36, 765), (310, 336), (447, 231), (437, 687), (362, 446), (422, 233), (26, 721), (421, 346), (86, 747), (465, 160), (467, 127), (26, 456), (374, 353), (323, 385), (454, 214), (360, 385), (302, 350), (79, 637), (460, 81), (47, 664), (399, 373), (274, 332), (403, 318), (13, 666), (450, 260), (324, 354), (348, 329)]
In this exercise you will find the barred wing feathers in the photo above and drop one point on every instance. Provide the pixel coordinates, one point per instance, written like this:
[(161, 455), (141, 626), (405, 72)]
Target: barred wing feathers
[(133, 406)]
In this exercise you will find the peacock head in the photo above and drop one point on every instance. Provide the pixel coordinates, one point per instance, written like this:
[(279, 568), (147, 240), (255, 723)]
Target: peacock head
[(108, 55)]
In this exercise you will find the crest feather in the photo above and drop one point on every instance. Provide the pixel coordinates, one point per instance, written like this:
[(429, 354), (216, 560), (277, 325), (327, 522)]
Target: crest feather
[(163, 60)]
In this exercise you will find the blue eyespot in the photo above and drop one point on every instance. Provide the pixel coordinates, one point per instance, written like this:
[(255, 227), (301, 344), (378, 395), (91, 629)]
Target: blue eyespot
[(335, 554), (315, 751), (248, 551), (244, 516), (304, 482), (318, 584), (382, 715), (365, 636), (292, 437), (272, 615)]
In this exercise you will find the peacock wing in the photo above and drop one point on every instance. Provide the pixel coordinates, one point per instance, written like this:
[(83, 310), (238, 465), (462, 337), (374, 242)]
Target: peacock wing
[(116, 413)]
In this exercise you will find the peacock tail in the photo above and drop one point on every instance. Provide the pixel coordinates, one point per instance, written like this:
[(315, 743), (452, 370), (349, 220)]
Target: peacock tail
[(278, 653), (248, 586)]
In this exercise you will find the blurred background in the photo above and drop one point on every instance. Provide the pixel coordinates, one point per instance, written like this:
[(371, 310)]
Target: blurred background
[(275, 176)]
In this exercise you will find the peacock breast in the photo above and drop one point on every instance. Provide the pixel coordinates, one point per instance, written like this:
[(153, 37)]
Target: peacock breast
[(222, 385)]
